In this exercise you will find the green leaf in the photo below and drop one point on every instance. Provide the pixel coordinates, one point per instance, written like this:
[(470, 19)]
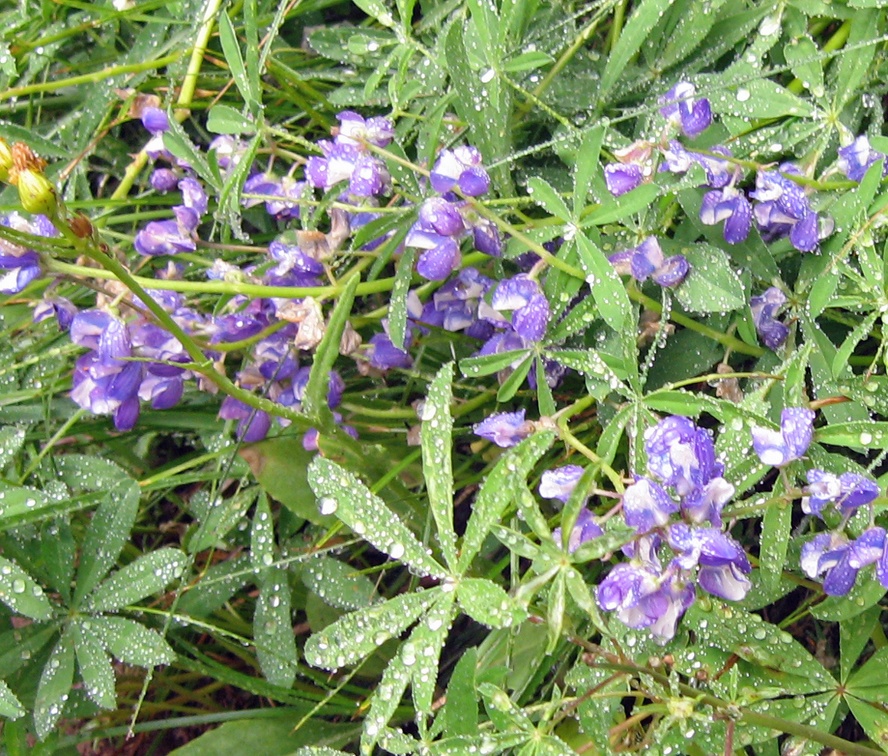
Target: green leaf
[(578, 588), (586, 165), (280, 465), (542, 192), (234, 58), (528, 61), (422, 650), (589, 363), (95, 666), (20, 592), (222, 517), (712, 285), (12, 439), (437, 443), (853, 637), (223, 119), (461, 710), (340, 492), (866, 592), (500, 707), (607, 288), (262, 537), (868, 682), (555, 611), (485, 602), (776, 529), (857, 57), (54, 687), (500, 489), (514, 380), (10, 707), (804, 60), (873, 720), (859, 434), (131, 642), (759, 98), (644, 19), (273, 629), (612, 209), (217, 584), (398, 301), (314, 402), (356, 635), (338, 584), (149, 574), (108, 531), (478, 367)]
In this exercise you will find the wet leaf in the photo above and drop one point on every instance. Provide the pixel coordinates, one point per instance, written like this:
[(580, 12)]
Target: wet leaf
[(712, 285), (149, 574), (485, 602), (132, 642), (21, 593), (54, 687)]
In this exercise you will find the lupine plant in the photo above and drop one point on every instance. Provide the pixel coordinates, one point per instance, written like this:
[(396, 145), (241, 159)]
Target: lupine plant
[(443, 378)]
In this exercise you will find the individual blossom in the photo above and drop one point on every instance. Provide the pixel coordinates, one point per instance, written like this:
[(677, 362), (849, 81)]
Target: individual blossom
[(505, 429), (730, 205), (721, 563), (355, 129), (523, 298), (437, 231), (647, 506), (647, 261), (460, 168), (20, 265), (454, 306), (783, 209), (252, 424), (584, 530), (621, 178), (62, 309), (681, 454), (840, 560), (560, 482), (856, 158), (719, 172), (779, 448), (169, 237), (764, 307), (281, 195), (680, 108), (848, 491)]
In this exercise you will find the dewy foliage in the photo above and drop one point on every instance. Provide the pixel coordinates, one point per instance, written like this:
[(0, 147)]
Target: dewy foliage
[(453, 377)]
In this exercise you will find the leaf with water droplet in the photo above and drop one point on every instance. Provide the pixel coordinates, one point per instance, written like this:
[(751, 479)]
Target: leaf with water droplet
[(10, 706), (486, 602), (425, 644), (131, 642), (607, 288), (147, 575), (354, 636), (21, 593), (95, 666), (712, 285), (54, 686), (273, 629), (367, 515)]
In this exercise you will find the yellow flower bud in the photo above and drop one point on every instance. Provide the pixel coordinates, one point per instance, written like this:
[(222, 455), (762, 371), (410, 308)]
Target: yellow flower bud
[(36, 193)]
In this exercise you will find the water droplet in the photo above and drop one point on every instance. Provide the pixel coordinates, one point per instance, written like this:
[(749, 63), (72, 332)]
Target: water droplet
[(743, 94), (327, 505)]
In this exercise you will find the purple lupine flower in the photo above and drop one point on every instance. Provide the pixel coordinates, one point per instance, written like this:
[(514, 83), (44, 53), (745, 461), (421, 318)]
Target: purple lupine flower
[(719, 172), (252, 424), (560, 482), (382, 354), (784, 210), (647, 261), (622, 178), (505, 429), (227, 150), (585, 529), (645, 597), (705, 504), (856, 158), (354, 129), (646, 506), (681, 454), (164, 180), (61, 308), (722, 563), (681, 109), (294, 267), (20, 265), (779, 448), (155, 120), (366, 174), (730, 205), (436, 231), (771, 331), (454, 307), (170, 237), (460, 167), (840, 559), (849, 492), (283, 194), (529, 306)]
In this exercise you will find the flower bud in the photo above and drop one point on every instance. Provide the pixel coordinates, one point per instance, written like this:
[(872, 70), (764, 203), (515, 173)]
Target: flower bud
[(36, 193), (5, 159)]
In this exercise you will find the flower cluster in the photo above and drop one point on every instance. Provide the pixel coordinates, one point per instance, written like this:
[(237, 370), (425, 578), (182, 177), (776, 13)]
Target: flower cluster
[(831, 554), (680, 543)]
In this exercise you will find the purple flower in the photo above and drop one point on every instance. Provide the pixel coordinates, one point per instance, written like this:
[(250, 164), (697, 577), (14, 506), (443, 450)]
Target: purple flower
[(731, 206), (647, 261), (856, 158), (505, 429), (779, 448), (454, 307), (354, 129), (584, 529), (646, 506), (643, 596), (460, 167), (560, 482), (155, 120), (283, 194), (784, 210), (21, 265), (772, 332), (366, 175), (252, 424), (848, 491), (164, 180), (62, 309), (529, 306), (384, 355), (622, 178), (681, 454), (841, 559), (722, 563), (719, 173), (682, 110)]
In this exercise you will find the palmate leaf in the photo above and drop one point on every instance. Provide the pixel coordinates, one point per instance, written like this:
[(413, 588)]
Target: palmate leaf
[(144, 577), (129, 641), (95, 667), (55, 684), (486, 602), (339, 492)]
